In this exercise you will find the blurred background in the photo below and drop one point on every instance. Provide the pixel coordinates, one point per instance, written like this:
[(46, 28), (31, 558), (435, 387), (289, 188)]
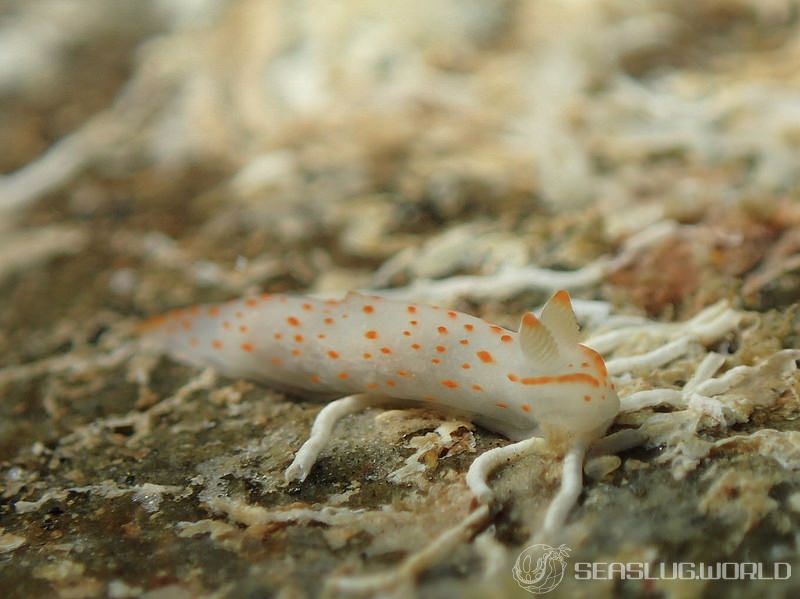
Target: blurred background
[(315, 144)]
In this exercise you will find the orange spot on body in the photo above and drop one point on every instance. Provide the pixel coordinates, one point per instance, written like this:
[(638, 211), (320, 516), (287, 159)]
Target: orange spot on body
[(449, 383), (321, 335), (442, 330), (412, 309), (506, 339), (435, 361), (333, 355), (403, 373), (512, 377), (367, 356), (216, 344), (415, 346), (562, 297), (296, 352), (441, 349), (529, 320), (501, 404), (496, 329), (152, 323), (315, 378), (213, 311), (386, 350), (464, 342), (407, 333), (587, 398), (477, 388), (248, 347), (307, 307), (371, 334), (293, 321), (452, 314), (251, 302), (368, 309), (466, 366), (243, 329), (526, 408), (278, 336), (265, 296), (469, 327), (343, 375), (585, 364), (328, 321), (298, 338), (413, 323), (485, 357), (391, 383)]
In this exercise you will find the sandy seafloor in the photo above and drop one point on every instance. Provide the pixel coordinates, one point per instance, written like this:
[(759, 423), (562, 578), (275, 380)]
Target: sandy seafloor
[(162, 153)]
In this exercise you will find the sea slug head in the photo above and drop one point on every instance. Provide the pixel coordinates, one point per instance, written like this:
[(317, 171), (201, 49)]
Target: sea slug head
[(576, 395)]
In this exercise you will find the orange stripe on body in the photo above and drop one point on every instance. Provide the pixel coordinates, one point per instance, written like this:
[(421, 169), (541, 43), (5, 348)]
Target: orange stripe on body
[(578, 377)]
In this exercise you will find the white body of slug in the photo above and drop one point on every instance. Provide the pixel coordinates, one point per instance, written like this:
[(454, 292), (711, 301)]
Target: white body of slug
[(538, 380)]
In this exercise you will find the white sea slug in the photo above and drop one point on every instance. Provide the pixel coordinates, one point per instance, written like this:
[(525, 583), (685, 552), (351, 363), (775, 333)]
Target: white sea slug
[(538, 380)]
